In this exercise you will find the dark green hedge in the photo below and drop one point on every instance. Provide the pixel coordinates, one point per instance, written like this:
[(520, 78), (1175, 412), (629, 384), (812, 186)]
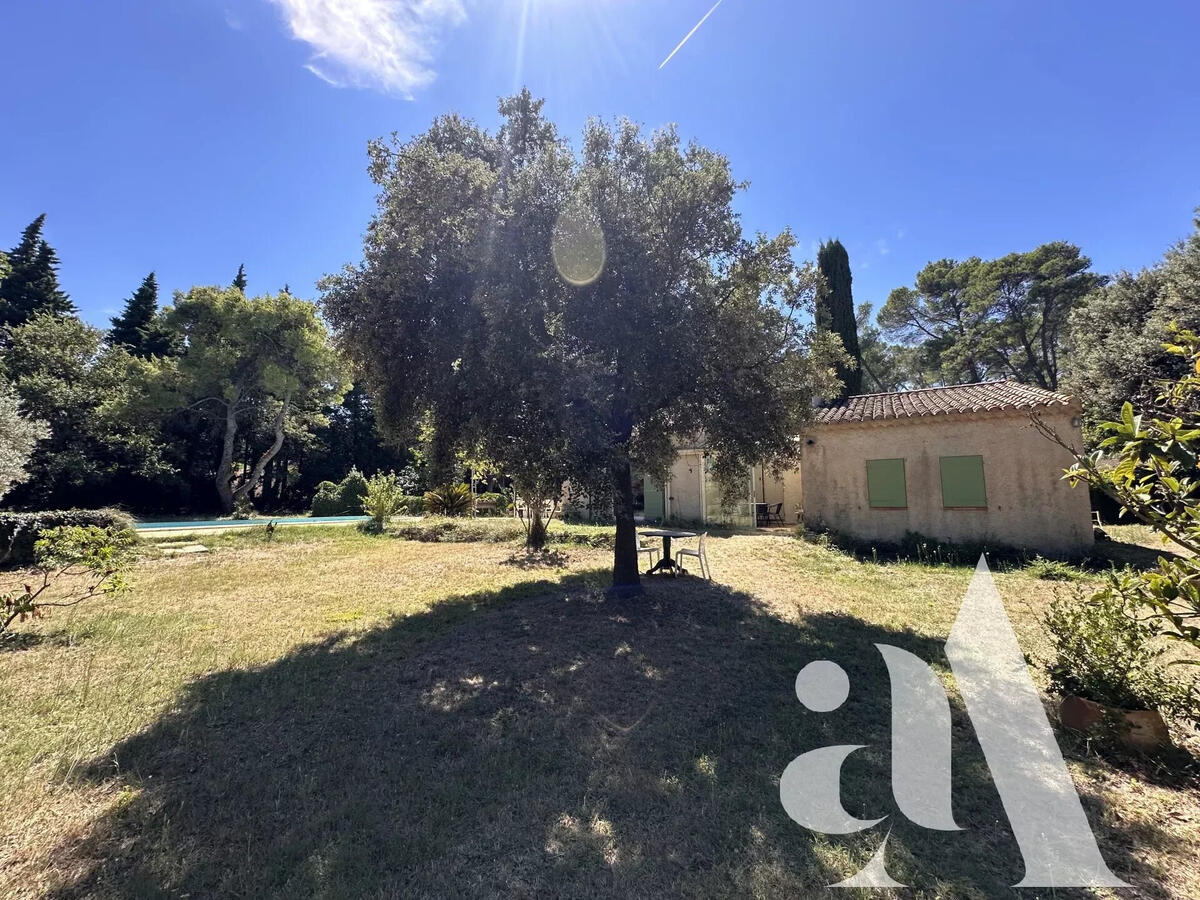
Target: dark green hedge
[(341, 499), (19, 530), (412, 505)]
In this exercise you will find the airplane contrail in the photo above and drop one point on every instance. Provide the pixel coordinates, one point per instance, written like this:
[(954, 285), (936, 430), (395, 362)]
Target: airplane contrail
[(688, 36)]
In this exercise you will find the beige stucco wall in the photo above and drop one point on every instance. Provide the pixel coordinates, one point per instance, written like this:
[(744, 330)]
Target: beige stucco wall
[(1029, 505)]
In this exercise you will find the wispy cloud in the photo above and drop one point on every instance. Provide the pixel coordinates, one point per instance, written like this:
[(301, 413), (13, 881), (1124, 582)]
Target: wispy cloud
[(883, 247), (687, 37), (387, 45)]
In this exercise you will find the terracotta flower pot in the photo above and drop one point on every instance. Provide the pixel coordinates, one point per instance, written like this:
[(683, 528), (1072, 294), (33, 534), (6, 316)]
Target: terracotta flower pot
[(1141, 729)]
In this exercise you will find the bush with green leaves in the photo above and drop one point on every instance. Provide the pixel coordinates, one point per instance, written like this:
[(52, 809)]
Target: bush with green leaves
[(243, 508), (341, 499), (1105, 652), (353, 489), (497, 530), (327, 500), (19, 531), (90, 562), (412, 504), (383, 500), (449, 500), (1149, 463)]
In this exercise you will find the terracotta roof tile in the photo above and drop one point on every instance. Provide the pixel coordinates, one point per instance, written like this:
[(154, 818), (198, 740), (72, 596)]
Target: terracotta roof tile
[(987, 396)]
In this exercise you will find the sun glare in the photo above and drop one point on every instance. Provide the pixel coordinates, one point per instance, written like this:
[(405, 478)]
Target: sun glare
[(578, 247)]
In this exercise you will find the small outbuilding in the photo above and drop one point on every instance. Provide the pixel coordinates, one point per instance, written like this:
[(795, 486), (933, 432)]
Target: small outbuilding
[(961, 463)]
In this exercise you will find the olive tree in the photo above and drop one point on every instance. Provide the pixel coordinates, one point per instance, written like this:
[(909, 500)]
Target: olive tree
[(568, 313)]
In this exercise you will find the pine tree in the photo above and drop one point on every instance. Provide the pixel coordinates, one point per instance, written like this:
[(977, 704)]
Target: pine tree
[(835, 311), (139, 328), (239, 281), (31, 286)]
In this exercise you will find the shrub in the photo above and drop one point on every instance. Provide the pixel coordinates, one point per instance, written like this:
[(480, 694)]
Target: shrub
[(352, 490), (102, 555), (327, 501), (19, 531), (448, 500), (497, 531), (343, 499), (1052, 570), (1104, 652), (412, 505), (1149, 464), (410, 480), (382, 500), (503, 502), (461, 530), (243, 508)]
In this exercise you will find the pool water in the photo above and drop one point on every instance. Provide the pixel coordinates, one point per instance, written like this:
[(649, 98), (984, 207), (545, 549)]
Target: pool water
[(234, 523)]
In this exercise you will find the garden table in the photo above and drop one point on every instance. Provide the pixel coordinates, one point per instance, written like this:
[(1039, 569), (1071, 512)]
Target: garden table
[(667, 565)]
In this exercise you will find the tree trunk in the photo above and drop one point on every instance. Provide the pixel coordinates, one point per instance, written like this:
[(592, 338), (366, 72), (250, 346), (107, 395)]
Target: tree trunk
[(256, 473), (535, 535), (225, 467), (626, 580)]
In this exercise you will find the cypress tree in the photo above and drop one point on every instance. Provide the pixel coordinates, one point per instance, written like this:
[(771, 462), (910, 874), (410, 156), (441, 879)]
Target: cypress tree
[(239, 280), (835, 311), (31, 286), (139, 328)]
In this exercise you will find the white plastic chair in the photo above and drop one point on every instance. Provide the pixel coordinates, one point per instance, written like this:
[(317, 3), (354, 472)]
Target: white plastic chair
[(699, 553), (652, 552)]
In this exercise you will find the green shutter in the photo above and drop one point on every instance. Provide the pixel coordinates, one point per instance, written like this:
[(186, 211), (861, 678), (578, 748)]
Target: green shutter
[(885, 484), (962, 482), (653, 508)]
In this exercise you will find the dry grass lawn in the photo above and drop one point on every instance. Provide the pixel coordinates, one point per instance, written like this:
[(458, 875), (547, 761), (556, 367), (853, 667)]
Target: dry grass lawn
[(335, 715)]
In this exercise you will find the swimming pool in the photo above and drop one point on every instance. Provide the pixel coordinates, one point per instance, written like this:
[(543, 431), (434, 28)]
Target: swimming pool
[(242, 523)]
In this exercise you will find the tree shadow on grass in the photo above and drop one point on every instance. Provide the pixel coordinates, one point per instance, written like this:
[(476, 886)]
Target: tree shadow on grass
[(546, 558), (1113, 552), (536, 741)]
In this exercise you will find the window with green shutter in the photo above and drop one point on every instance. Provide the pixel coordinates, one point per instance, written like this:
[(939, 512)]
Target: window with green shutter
[(962, 483), (885, 484)]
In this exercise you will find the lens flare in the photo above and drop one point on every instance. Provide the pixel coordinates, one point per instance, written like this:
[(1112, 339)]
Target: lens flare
[(578, 247)]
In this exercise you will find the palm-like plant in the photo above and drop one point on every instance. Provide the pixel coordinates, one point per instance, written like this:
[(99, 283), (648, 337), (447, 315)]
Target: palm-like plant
[(448, 500)]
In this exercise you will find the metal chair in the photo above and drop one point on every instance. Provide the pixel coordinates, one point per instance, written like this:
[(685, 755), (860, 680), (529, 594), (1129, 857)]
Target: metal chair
[(775, 515), (699, 553)]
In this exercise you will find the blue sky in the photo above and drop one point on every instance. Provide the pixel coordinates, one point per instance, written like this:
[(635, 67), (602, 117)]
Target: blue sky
[(189, 136)]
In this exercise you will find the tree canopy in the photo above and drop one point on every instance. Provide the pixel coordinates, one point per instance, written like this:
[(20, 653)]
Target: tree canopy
[(30, 284), (978, 320), (139, 328), (92, 399), (569, 313), (18, 435), (835, 313), (244, 356), (885, 366), (1121, 331)]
